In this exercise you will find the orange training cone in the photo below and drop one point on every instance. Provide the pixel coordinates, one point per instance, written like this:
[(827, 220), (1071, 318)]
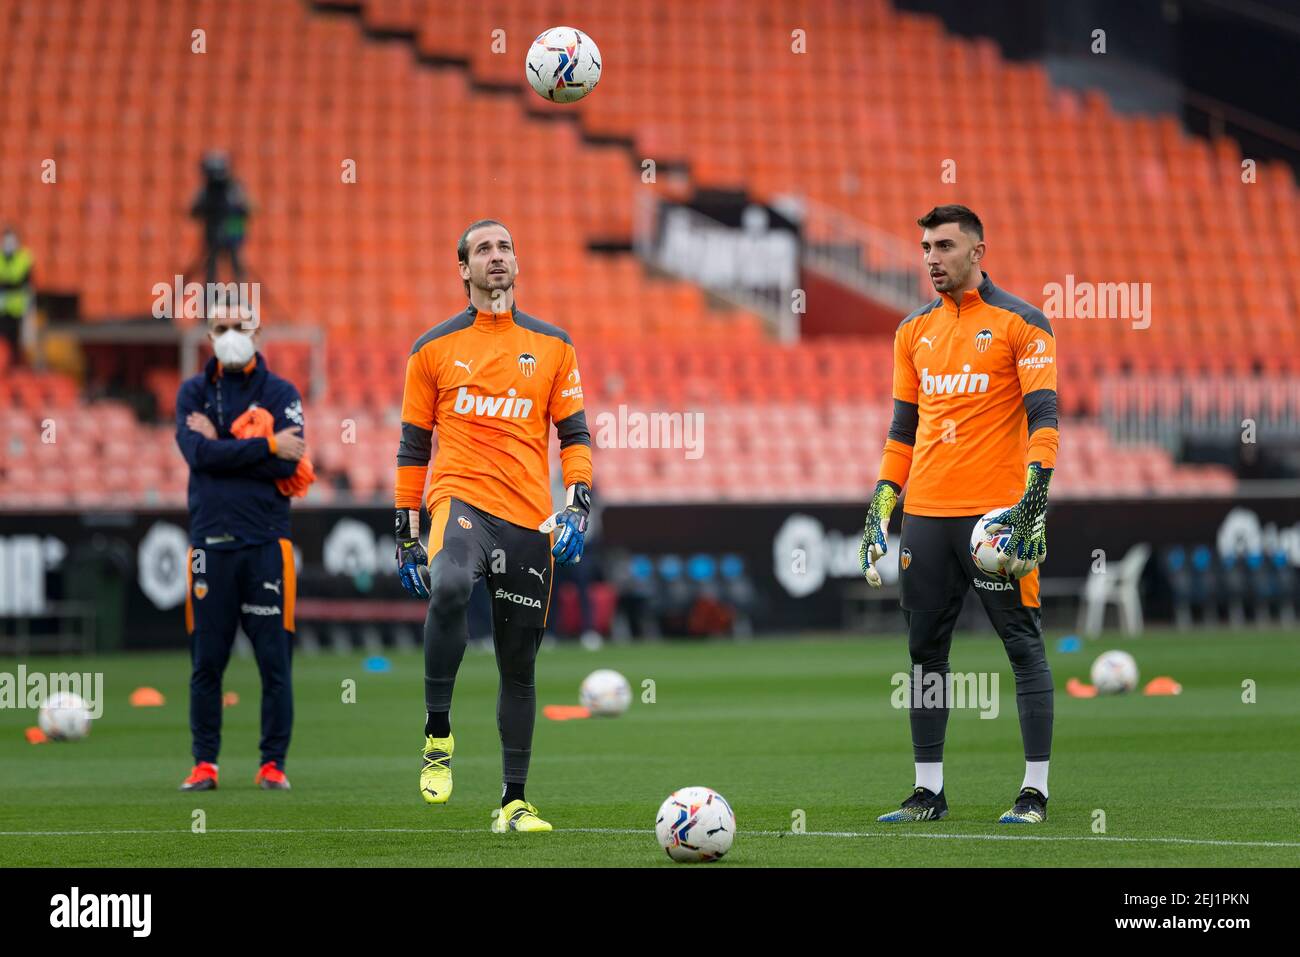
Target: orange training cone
[(565, 712), (1163, 685), (1077, 689), (147, 698)]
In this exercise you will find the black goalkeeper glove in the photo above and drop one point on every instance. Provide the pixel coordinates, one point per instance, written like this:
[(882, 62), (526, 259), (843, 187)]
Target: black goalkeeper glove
[(571, 525), (410, 553)]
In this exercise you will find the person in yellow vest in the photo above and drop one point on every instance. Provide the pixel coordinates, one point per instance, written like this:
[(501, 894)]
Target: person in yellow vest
[(16, 295)]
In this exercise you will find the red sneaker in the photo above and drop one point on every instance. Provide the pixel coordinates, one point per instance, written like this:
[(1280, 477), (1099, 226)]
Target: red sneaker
[(271, 778), (202, 778)]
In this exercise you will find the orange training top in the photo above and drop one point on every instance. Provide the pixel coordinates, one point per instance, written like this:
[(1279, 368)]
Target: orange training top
[(974, 402), (492, 385)]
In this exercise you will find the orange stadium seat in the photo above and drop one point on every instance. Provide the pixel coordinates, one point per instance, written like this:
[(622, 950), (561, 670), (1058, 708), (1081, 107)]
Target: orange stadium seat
[(369, 262)]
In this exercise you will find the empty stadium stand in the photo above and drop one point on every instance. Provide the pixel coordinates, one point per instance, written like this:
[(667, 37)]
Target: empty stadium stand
[(442, 132)]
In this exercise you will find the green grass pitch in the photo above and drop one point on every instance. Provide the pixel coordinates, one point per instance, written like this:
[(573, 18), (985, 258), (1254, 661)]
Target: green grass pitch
[(777, 726)]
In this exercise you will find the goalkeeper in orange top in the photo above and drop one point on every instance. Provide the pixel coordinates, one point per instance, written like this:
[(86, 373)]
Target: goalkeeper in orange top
[(491, 380), (974, 428)]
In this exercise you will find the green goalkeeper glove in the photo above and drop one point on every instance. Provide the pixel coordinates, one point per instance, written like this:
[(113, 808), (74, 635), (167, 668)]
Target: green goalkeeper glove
[(873, 545), (1027, 546)]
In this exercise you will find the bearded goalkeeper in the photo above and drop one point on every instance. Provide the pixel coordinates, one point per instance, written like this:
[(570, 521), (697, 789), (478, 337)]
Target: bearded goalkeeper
[(491, 381), (974, 428)]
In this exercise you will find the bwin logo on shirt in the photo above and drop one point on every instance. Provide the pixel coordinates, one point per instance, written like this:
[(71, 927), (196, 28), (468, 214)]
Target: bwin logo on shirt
[(496, 406), (954, 383)]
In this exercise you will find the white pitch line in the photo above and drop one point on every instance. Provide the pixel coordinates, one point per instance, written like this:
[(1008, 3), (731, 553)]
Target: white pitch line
[(1047, 837), (646, 832)]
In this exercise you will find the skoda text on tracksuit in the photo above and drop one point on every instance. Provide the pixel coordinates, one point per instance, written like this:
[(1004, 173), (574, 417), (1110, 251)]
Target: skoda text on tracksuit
[(240, 521)]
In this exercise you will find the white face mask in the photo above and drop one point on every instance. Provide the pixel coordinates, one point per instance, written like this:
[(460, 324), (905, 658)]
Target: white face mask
[(234, 349)]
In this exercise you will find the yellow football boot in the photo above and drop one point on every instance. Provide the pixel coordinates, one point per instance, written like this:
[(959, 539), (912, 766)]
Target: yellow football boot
[(517, 816), (435, 778)]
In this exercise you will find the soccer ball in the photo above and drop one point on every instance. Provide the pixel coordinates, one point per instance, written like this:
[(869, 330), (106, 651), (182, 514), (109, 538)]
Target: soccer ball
[(1114, 672), (695, 825), (605, 693), (64, 717), (986, 549), (563, 65)]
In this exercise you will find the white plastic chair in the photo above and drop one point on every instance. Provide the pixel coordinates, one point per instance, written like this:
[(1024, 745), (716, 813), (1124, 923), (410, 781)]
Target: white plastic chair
[(1118, 586)]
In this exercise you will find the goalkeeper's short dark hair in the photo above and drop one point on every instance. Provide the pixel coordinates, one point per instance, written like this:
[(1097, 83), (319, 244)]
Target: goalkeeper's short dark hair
[(462, 247), (953, 213)]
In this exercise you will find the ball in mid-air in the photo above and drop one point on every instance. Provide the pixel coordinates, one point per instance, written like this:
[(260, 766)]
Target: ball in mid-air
[(605, 693), (695, 825), (64, 717), (1114, 672), (563, 65)]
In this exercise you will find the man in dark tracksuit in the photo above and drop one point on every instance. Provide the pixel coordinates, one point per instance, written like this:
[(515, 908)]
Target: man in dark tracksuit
[(241, 566)]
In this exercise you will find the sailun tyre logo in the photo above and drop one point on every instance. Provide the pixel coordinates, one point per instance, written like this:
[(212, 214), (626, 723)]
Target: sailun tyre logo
[(508, 406), (1035, 358)]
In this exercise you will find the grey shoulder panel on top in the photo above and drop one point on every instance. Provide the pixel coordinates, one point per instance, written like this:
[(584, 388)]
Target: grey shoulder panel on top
[(930, 306), (462, 320), (533, 324), (1001, 299)]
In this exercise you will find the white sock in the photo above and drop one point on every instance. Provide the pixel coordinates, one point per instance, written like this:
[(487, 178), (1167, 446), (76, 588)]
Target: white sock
[(930, 776), (1035, 776)]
